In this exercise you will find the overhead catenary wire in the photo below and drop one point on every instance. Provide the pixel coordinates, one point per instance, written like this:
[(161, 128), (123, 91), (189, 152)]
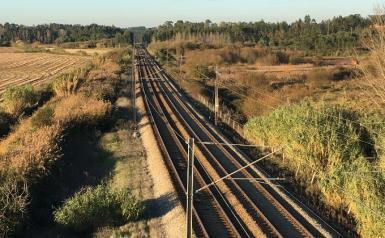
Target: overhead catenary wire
[(366, 142), (347, 120), (273, 108), (279, 100), (225, 99), (161, 115), (236, 171), (229, 144), (256, 100), (326, 114), (219, 192), (205, 143)]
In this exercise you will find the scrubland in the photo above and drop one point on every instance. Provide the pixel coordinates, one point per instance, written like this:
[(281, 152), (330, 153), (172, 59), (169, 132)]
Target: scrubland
[(326, 113), (49, 151)]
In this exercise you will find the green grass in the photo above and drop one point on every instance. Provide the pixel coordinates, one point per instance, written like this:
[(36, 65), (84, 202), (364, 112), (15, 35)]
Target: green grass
[(333, 142), (17, 99), (98, 206)]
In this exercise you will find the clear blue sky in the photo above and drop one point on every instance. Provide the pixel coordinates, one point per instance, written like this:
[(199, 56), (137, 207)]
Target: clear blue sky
[(155, 12)]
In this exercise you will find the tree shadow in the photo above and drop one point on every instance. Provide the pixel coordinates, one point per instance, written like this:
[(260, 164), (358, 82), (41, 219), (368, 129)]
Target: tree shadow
[(84, 163), (158, 207)]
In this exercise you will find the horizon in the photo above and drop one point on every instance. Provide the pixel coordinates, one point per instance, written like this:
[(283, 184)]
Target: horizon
[(126, 15), (174, 21)]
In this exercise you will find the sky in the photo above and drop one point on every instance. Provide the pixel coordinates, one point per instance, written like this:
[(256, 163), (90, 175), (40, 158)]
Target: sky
[(128, 13)]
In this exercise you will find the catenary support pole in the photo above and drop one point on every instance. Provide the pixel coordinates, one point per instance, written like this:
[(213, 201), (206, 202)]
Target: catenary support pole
[(216, 99), (190, 189), (133, 79)]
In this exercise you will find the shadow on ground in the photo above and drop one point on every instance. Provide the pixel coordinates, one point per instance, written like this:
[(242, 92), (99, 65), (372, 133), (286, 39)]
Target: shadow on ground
[(158, 207)]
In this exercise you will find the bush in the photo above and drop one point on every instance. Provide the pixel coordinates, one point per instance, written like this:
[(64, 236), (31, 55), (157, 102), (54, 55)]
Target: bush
[(17, 99), (297, 59), (230, 55), (333, 142), (345, 73), (13, 202), (6, 121), (269, 59), (80, 109), (43, 117), (100, 89), (98, 206), (320, 76), (282, 57), (69, 83)]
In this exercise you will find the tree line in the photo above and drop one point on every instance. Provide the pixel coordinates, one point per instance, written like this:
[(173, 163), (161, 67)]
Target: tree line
[(60, 33), (305, 34)]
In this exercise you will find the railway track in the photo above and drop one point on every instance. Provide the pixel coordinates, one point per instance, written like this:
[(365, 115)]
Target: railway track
[(232, 208)]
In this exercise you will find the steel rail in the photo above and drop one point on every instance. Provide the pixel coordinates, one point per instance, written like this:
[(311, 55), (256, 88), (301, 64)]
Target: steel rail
[(270, 197), (200, 179)]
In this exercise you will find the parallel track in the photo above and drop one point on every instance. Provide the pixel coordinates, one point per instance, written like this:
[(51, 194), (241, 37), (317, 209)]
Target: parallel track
[(216, 222), (173, 115)]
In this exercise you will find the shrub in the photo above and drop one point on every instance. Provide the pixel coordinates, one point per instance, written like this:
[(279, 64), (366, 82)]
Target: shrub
[(297, 59), (320, 77), (6, 121), (98, 206), (345, 73), (230, 55), (68, 83), (17, 99), (13, 202), (31, 150), (100, 89), (282, 57), (269, 59), (78, 109), (43, 117), (191, 45), (250, 55), (333, 142)]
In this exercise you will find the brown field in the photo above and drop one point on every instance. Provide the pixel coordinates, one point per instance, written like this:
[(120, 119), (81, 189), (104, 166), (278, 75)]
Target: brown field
[(34, 68), (279, 71), (100, 51), (8, 50)]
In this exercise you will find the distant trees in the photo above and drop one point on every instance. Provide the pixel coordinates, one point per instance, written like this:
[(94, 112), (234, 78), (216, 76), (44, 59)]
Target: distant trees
[(59, 33), (306, 34)]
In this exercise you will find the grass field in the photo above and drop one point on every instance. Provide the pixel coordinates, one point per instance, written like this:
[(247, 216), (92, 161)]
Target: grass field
[(34, 68), (100, 51)]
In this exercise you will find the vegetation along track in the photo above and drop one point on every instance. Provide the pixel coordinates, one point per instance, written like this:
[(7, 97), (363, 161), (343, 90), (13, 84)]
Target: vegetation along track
[(231, 207)]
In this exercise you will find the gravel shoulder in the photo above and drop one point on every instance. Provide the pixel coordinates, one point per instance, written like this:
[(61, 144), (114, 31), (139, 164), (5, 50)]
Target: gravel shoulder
[(167, 204)]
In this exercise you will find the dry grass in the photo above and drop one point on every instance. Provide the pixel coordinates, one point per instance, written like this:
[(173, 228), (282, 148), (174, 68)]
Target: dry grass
[(99, 51), (131, 173), (80, 108), (30, 149), (9, 50), (104, 68)]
